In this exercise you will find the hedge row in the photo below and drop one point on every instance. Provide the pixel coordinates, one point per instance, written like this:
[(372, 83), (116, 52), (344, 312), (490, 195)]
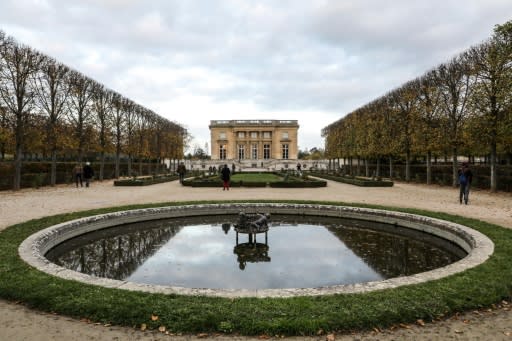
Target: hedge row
[(358, 181), (145, 181)]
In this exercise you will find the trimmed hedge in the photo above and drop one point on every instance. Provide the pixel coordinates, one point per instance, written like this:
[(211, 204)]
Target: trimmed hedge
[(145, 181), (292, 182), (299, 184), (357, 181)]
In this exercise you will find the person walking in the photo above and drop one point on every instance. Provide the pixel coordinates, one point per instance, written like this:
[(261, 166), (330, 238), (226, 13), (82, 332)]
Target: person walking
[(77, 173), (88, 173), (225, 176), (181, 172), (465, 178)]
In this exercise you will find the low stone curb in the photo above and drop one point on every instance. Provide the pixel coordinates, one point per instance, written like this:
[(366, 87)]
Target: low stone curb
[(478, 246)]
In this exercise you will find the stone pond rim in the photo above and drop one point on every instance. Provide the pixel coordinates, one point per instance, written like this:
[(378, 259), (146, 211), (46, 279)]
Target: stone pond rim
[(478, 246)]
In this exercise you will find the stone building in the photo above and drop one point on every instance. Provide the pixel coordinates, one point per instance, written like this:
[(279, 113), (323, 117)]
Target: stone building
[(254, 143)]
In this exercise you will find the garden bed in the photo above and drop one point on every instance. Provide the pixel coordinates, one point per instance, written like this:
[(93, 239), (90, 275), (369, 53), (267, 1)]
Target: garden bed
[(357, 181), (256, 180), (146, 180)]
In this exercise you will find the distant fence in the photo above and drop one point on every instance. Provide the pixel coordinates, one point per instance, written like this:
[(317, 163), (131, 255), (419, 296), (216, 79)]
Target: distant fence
[(442, 174), (37, 174)]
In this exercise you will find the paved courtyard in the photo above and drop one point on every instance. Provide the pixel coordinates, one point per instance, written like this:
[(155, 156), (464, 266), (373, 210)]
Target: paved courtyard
[(20, 323)]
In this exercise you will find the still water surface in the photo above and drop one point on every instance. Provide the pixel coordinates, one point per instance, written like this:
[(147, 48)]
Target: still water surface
[(298, 252)]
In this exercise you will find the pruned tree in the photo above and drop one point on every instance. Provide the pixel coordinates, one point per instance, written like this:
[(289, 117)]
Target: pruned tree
[(428, 123), (404, 101), (491, 98), (52, 89), (102, 107), (18, 64), (118, 119), (454, 80), (80, 113)]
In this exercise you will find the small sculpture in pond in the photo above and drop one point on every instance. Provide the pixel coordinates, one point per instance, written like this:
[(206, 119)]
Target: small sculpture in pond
[(259, 223)]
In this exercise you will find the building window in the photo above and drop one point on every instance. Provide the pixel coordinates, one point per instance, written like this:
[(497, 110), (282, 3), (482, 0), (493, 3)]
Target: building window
[(285, 151), (222, 152), (241, 134), (266, 151), (266, 135), (254, 151), (285, 135), (222, 136), (254, 135), (241, 152)]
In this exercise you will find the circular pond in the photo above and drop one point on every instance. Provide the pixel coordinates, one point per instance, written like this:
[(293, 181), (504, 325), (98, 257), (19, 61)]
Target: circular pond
[(296, 252), (306, 250)]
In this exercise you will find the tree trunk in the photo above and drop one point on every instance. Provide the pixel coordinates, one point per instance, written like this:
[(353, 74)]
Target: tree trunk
[(454, 167), (377, 171), (408, 166), (17, 168), (129, 165), (102, 165), (493, 167), (53, 171), (118, 157), (429, 167), (366, 168), (391, 167)]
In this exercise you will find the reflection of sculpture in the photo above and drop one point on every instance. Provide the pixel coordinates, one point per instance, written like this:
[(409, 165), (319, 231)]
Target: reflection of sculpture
[(226, 227), (251, 251)]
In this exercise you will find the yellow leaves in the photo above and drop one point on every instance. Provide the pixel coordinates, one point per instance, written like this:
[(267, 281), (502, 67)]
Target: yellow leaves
[(143, 327), (420, 322), (154, 317), (161, 329)]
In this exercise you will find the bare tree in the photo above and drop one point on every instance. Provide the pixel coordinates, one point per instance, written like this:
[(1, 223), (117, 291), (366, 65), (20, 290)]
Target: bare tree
[(428, 124), (102, 106), (118, 119), (454, 80), (130, 121), (18, 65), (404, 101), (492, 98), (52, 88), (79, 113)]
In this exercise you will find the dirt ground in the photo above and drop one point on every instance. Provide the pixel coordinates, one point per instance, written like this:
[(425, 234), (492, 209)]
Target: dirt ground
[(20, 323)]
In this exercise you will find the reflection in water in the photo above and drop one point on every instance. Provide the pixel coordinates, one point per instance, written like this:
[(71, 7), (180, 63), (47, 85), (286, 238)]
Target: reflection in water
[(204, 252)]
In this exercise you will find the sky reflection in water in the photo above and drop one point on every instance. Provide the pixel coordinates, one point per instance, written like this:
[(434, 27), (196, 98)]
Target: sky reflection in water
[(299, 254)]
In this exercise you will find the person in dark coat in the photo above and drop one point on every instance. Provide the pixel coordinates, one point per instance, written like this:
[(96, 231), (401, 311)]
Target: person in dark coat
[(88, 173), (225, 176), (465, 177), (77, 171), (181, 171)]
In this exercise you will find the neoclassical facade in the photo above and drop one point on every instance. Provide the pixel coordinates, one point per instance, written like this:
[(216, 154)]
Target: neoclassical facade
[(257, 141)]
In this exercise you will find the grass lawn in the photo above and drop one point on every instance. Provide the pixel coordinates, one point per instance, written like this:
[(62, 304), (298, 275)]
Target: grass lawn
[(256, 177), (475, 288)]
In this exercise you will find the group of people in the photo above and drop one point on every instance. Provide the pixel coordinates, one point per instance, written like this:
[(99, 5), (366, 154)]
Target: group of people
[(83, 173)]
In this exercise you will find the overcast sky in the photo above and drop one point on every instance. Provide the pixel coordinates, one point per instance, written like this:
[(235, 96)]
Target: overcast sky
[(193, 61)]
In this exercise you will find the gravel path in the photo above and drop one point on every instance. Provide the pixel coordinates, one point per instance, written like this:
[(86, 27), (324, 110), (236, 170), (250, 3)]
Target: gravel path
[(20, 323)]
